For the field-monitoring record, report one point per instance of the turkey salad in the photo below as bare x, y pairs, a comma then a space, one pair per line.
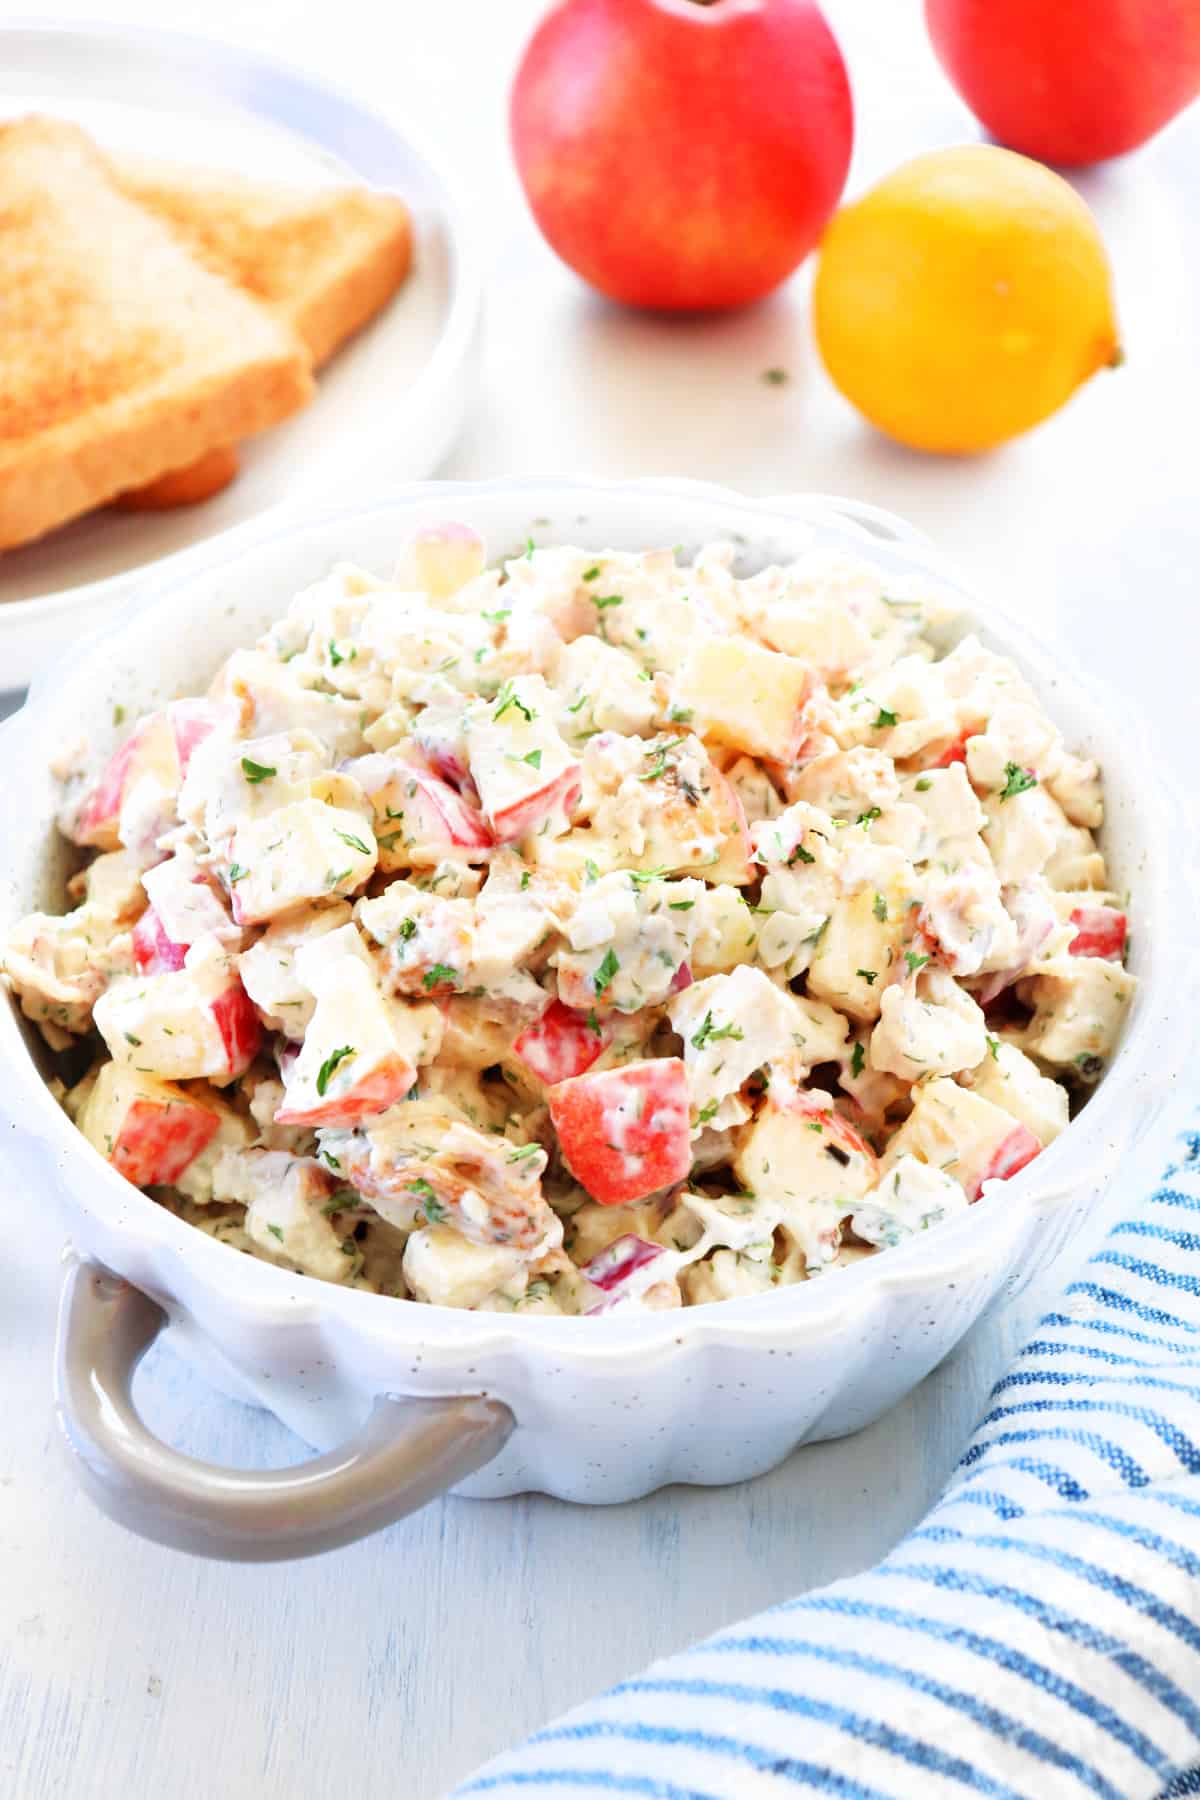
595, 931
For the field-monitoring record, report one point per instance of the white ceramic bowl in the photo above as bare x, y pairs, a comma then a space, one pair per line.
605, 1409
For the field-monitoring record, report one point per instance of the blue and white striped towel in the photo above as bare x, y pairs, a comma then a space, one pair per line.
1037, 1636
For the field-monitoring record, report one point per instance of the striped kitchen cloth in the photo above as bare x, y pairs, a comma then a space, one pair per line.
1037, 1636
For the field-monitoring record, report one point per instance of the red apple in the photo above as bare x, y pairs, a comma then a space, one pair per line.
682, 154
153, 951
624, 1133
1070, 81
1099, 931
562, 1043
1009, 1157
148, 1129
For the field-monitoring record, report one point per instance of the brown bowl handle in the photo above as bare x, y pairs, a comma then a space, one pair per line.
406, 1454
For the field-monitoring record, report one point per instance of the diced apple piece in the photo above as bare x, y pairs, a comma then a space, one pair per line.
528, 780
153, 950
562, 1043
954, 1129
440, 559
746, 696
191, 721
305, 851
234, 1132
625, 1132
632, 1272
419, 818
1099, 931
802, 1143
186, 902
148, 754
183, 1023
147, 1129
361, 1050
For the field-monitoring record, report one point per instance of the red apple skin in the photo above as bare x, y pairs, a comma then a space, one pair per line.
682, 156
1070, 81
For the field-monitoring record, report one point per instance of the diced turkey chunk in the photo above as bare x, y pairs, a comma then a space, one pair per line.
422, 1165
929, 1026
361, 1049
627, 943
910, 1198
964, 1135
1075, 861
304, 852
267, 697
598, 688
1008, 1078
1079, 1006
808, 1168
731, 1026
59, 964
232, 779
1023, 831
268, 968
662, 803
285, 1199
149, 1130
445, 1268
728, 1275
185, 1023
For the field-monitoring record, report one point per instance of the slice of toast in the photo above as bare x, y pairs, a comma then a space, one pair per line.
120, 357
324, 260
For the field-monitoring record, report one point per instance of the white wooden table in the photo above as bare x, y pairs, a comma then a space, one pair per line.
392, 1668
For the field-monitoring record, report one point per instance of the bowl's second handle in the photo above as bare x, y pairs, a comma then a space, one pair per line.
407, 1453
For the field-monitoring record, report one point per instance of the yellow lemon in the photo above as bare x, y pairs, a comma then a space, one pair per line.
964, 299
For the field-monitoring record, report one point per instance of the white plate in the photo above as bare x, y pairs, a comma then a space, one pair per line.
389, 405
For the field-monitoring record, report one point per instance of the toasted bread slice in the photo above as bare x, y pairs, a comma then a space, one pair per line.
210, 474
323, 259
120, 357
